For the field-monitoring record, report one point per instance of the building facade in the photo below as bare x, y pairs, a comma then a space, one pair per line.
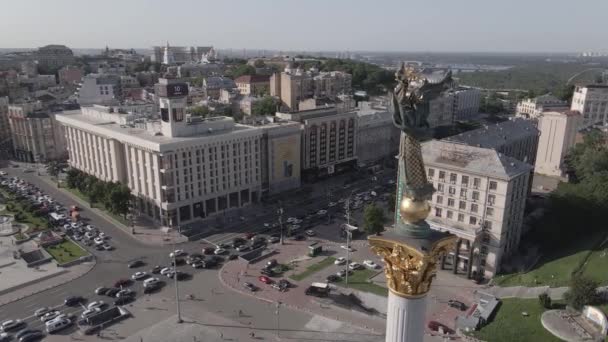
480, 197
6, 140
532, 108
181, 168
99, 89
253, 85
592, 102
557, 135
466, 103
328, 140
69, 75
213, 84
36, 135
182, 54
54, 56
377, 136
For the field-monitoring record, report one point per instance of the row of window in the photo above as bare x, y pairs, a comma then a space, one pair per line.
460, 217
464, 180
462, 205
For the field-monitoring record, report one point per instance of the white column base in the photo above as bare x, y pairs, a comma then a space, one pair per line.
405, 319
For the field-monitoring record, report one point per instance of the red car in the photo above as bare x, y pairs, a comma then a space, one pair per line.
248, 236
122, 282
265, 279
436, 326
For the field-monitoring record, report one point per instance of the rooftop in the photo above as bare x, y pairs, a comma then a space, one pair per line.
471, 159
495, 136
252, 79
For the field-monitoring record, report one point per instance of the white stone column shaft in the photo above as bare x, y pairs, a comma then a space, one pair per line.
405, 319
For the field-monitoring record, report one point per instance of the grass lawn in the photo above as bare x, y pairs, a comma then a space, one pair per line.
555, 269
35, 223
509, 325
597, 264
66, 251
313, 268
78, 194
359, 281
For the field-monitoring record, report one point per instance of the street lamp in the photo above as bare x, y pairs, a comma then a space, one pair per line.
179, 312
280, 212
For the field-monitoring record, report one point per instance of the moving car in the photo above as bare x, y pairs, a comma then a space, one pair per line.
176, 253
89, 312
56, 325
250, 287
24, 332
112, 292
12, 324
73, 300
370, 264
49, 316
151, 282
34, 336
340, 261
166, 270
354, 266
135, 264
318, 290
139, 275
125, 293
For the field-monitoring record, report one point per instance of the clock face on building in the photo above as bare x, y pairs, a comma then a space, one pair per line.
180, 89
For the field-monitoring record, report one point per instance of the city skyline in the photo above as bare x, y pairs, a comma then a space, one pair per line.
334, 26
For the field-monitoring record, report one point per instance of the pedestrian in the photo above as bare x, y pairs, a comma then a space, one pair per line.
252, 334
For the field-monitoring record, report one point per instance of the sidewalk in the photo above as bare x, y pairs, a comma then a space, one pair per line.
526, 292
148, 234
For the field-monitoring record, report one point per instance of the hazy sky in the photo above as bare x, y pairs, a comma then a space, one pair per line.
400, 25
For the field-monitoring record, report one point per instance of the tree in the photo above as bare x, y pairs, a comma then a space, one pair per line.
199, 111
544, 300
373, 219
259, 63
240, 70
266, 106
582, 291
120, 197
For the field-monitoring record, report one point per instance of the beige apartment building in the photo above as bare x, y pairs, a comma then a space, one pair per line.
533, 107
5, 130
592, 102
253, 85
182, 169
294, 86
36, 135
480, 197
557, 135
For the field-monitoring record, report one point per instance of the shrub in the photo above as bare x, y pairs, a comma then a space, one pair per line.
545, 300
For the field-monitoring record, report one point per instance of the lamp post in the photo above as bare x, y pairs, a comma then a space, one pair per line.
280, 212
278, 317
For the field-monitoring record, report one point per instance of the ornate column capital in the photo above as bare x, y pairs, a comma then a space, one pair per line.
409, 265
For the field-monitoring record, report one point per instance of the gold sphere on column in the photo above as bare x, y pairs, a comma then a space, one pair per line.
413, 211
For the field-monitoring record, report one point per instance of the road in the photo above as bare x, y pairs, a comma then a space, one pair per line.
112, 266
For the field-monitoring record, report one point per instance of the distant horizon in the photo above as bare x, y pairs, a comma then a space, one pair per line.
519, 26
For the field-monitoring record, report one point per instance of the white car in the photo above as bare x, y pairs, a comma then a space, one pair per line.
322, 212
151, 282
176, 253
50, 315
107, 247
370, 264
332, 204
354, 266
219, 251
166, 270
139, 275
96, 304
98, 241
348, 248
266, 225
102, 235
340, 261
90, 312
3, 173
11, 324
42, 311
310, 233
124, 293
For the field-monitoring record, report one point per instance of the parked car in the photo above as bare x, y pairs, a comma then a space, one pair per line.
348, 248
271, 263
274, 239
178, 262
242, 248
265, 279
48, 316
123, 282
42, 311
332, 278
439, 327
197, 264
298, 237
249, 235
457, 304
33, 336
342, 273
112, 292
250, 287
219, 251
267, 272
96, 304
310, 233
89, 312
24, 332
73, 300
56, 325
136, 263
176, 253
156, 269
284, 283
208, 250
166, 270
107, 247
125, 293
124, 300
151, 282
237, 242
233, 256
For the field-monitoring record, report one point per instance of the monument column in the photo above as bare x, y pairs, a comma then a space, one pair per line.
412, 250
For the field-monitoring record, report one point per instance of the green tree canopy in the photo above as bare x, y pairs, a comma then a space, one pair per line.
199, 111
259, 63
582, 291
373, 219
240, 70
266, 106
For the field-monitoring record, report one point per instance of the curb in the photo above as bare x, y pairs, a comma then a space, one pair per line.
52, 286
124, 229
294, 307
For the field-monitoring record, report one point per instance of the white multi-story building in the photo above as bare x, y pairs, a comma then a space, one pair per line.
377, 136
98, 89
480, 197
182, 54
557, 135
182, 168
592, 102
517, 138
532, 108
466, 103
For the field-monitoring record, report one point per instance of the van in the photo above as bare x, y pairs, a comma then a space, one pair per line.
56, 325
318, 290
